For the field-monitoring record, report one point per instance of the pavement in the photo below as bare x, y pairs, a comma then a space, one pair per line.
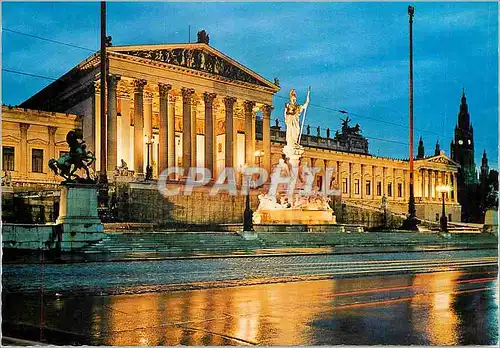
445, 299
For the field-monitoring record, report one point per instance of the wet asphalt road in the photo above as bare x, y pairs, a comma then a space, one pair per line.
437, 298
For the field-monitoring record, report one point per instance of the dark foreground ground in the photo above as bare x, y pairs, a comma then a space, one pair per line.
438, 298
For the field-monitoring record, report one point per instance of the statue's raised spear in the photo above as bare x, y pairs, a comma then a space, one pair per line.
305, 110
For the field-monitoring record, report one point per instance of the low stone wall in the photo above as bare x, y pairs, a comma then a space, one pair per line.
143, 203
368, 218
28, 236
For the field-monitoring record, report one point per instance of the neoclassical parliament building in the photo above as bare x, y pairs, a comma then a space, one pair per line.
191, 105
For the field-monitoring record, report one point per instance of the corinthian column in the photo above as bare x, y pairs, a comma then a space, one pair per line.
350, 180
209, 131
52, 141
249, 144
186, 127
362, 188
266, 136
23, 127
172, 161
164, 150
52, 144
111, 132
229, 161
139, 126
455, 185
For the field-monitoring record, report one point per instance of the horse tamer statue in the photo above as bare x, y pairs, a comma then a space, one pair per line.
77, 158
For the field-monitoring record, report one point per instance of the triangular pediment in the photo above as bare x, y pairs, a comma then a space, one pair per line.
443, 159
10, 139
38, 141
199, 57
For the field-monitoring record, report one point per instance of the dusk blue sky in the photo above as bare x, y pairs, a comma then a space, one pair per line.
354, 55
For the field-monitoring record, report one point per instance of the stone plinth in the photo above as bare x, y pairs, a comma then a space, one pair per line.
294, 216
78, 216
491, 221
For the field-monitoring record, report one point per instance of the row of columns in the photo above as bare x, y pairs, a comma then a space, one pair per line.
143, 126
431, 178
373, 182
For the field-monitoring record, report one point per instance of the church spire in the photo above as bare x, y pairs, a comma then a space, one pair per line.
437, 150
420, 153
485, 169
463, 115
484, 160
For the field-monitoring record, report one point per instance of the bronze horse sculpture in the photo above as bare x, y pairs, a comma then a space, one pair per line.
77, 158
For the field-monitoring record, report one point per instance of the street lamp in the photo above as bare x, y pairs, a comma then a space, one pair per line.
149, 169
259, 154
443, 222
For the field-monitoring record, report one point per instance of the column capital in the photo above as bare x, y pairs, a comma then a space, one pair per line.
123, 93
24, 127
90, 88
171, 98
148, 96
209, 97
229, 101
266, 110
139, 85
187, 92
248, 105
163, 89
112, 81
52, 130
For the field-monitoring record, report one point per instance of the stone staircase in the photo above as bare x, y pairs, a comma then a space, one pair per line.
165, 242
226, 243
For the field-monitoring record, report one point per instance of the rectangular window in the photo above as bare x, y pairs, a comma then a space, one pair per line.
8, 158
389, 189
356, 186
449, 217
344, 185
400, 190
379, 188
368, 187
37, 161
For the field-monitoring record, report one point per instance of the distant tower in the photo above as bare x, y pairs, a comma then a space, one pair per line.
462, 152
437, 150
462, 147
421, 152
485, 169
483, 183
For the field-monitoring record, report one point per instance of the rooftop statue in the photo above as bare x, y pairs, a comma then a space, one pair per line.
349, 130
77, 158
203, 37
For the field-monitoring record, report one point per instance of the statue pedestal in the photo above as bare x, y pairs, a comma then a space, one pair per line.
293, 154
80, 224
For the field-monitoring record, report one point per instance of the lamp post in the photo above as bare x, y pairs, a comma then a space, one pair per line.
443, 221
248, 213
149, 169
259, 154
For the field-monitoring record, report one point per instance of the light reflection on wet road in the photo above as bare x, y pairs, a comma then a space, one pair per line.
456, 306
